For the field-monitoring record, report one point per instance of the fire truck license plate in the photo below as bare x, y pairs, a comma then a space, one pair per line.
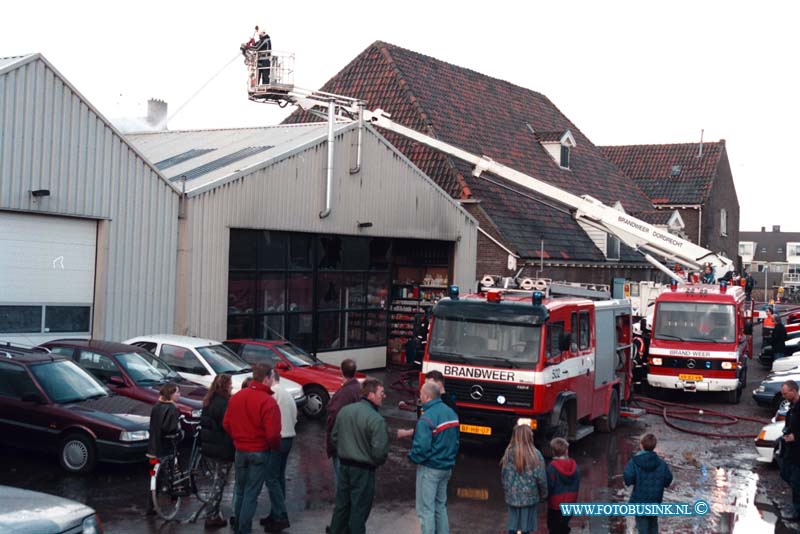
473, 429
691, 378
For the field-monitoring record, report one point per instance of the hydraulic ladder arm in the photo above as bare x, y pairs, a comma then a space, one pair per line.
637, 234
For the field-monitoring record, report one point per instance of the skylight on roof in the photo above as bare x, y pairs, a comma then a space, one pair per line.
221, 162
180, 158
676, 170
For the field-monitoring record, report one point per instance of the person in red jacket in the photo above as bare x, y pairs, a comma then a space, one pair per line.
253, 421
562, 485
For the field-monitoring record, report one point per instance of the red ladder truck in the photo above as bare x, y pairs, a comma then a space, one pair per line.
563, 364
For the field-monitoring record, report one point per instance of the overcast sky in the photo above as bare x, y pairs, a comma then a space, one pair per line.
624, 72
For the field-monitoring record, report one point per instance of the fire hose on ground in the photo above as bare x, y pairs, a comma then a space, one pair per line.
672, 411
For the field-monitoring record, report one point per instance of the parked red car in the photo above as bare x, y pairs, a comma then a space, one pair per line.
132, 372
319, 380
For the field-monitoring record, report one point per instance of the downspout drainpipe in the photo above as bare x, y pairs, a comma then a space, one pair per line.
357, 168
329, 180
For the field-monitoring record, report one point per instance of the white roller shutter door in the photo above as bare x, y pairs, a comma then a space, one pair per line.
49, 262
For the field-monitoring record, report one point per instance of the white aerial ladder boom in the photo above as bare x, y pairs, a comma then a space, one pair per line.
637, 234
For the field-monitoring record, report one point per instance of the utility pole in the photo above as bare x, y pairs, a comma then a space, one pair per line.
766, 272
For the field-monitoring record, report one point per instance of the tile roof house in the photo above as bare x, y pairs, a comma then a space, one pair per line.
517, 127
693, 178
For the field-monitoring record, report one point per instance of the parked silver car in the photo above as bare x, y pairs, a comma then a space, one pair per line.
25, 512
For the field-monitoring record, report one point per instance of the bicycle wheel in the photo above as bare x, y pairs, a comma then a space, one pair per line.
165, 502
203, 476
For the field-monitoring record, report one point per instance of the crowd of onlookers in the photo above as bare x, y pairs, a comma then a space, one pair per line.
251, 431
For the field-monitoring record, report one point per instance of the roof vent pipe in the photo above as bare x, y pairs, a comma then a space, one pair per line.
700, 152
357, 168
329, 179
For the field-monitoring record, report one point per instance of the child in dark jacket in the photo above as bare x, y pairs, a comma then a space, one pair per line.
563, 481
649, 475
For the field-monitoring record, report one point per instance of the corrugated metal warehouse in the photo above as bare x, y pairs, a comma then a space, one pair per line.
214, 233
88, 228
259, 258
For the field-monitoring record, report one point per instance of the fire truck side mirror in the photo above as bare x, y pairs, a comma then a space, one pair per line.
748, 328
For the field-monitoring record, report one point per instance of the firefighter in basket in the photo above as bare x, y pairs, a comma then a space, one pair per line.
257, 52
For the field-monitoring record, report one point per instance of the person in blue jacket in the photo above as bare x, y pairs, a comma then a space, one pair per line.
649, 475
434, 450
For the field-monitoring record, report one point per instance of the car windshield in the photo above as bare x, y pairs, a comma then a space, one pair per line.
498, 344
223, 360
693, 321
142, 371
63, 382
296, 355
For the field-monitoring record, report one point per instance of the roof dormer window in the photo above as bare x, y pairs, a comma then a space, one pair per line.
564, 157
559, 145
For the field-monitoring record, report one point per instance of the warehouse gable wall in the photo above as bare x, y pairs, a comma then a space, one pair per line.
52, 138
288, 195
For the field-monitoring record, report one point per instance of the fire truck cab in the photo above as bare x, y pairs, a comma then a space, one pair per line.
701, 340
563, 364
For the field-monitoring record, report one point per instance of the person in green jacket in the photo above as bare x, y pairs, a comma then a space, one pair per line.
361, 439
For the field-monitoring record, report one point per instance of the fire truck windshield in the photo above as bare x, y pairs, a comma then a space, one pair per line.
692, 321
482, 343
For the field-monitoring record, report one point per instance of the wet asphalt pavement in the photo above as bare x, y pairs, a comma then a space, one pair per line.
745, 496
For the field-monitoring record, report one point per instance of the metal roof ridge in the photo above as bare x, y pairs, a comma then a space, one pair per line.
93, 109
275, 157
232, 129
18, 61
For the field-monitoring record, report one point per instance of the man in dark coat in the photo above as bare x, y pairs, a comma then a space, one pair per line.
790, 469
778, 338
649, 475
349, 393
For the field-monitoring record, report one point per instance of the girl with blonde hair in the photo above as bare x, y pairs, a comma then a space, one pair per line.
524, 481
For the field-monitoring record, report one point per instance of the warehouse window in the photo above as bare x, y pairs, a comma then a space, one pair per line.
44, 318
20, 319
323, 292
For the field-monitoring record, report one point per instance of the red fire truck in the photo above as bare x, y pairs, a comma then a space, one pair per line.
562, 363
701, 340
543, 387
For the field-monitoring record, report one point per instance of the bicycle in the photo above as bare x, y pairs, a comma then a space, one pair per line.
169, 482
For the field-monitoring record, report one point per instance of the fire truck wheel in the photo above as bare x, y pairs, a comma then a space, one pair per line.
560, 431
733, 397
609, 422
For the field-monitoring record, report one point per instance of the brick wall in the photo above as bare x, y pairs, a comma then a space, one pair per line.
723, 195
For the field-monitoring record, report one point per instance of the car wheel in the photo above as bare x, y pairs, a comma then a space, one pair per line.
78, 453
317, 402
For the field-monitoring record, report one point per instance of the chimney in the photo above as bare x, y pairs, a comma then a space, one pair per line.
763, 228
700, 152
776, 228
157, 113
